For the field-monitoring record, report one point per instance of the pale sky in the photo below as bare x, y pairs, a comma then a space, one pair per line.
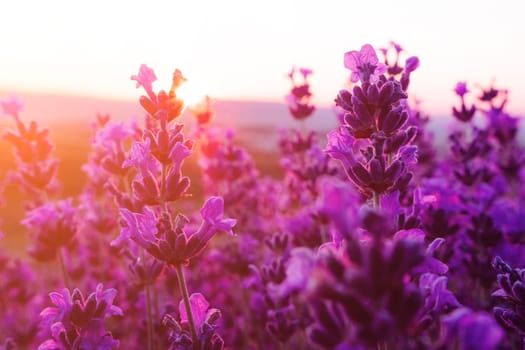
242, 49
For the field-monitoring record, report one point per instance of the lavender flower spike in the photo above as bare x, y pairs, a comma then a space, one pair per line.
364, 64
145, 78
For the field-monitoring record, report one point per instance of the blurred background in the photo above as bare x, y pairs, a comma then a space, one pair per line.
69, 60
242, 50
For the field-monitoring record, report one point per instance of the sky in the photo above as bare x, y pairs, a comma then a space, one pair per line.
243, 49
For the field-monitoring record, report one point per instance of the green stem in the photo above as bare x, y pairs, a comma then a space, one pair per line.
302, 127
382, 346
163, 181
155, 303
376, 198
324, 234
65, 275
187, 305
149, 318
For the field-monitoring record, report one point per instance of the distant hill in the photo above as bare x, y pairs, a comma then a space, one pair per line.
257, 120
256, 123
64, 108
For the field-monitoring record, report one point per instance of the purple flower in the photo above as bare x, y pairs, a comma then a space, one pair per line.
337, 201
212, 213
408, 154
140, 157
364, 65
94, 337
61, 310
438, 298
58, 331
429, 264
177, 79
145, 78
204, 319
298, 100
112, 134
396, 46
411, 64
178, 153
299, 270
142, 228
471, 330
78, 323
168, 241
200, 309
461, 89
73, 307
305, 72
12, 107
340, 146
53, 225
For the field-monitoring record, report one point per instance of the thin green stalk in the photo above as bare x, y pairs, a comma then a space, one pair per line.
149, 318
376, 199
164, 204
302, 126
65, 275
155, 303
187, 305
382, 346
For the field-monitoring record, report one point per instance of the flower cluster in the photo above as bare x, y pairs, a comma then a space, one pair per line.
76, 322
298, 100
375, 113
32, 146
378, 238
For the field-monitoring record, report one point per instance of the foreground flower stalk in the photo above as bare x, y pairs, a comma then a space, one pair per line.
157, 158
186, 297
65, 274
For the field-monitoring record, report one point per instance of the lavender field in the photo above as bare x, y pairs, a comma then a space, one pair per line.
367, 226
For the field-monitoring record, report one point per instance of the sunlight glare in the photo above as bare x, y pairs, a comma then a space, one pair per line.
191, 93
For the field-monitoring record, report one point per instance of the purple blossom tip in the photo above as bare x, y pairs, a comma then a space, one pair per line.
139, 155
305, 72
212, 213
199, 308
13, 106
145, 78
364, 64
461, 89
178, 153
142, 228
411, 64
178, 79
408, 154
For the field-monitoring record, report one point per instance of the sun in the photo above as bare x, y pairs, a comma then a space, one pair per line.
190, 93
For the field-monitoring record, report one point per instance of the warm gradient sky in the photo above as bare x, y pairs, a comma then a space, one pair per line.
242, 49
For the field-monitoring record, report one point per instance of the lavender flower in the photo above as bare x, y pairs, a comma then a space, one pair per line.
53, 226
510, 297
298, 100
77, 323
145, 78
12, 107
364, 65
205, 320
471, 330
169, 242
